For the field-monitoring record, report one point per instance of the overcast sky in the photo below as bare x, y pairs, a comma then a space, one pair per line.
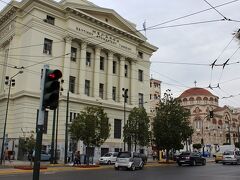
196, 46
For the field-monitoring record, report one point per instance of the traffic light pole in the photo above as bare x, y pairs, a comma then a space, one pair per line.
53, 133
40, 123
66, 130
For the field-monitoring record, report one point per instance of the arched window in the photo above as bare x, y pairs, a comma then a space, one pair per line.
214, 121
199, 99
191, 99
205, 99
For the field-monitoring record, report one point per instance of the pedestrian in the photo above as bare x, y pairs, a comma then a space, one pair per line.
77, 160
6, 155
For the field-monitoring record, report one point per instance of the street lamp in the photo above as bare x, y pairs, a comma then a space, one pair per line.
11, 83
125, 96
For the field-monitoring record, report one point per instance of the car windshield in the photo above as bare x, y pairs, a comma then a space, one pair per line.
107, 155
228, 153
124, 155
185, 153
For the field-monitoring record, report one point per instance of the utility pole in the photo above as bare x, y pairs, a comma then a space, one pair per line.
66, 130
49, 98
56, 156
125, 96
40, 123
53, 134
9, 83
229, 131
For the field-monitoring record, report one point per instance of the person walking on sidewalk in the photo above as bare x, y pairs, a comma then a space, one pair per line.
77, 159
6, 156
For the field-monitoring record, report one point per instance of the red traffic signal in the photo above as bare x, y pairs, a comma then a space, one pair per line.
54, 74
51, 88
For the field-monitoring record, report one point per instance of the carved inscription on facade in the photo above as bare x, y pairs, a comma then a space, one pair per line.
106, 38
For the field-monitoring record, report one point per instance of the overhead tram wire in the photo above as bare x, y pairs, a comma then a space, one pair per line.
141, 29
105, 42
216, 10
182, 17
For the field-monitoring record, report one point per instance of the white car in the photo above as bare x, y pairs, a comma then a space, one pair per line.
109, 158
231, 157
129, 160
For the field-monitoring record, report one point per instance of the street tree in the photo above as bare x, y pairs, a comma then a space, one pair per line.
171, 125
136, 131
90, 126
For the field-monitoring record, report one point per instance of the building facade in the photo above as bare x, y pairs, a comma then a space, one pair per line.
222, 128
155, 94
98, 51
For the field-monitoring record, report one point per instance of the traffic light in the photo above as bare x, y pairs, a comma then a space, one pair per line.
211, 114
51, 88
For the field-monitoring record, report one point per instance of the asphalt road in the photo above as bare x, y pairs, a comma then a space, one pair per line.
211, 171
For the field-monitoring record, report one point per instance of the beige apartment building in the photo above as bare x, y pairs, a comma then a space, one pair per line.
214, 131
98, 51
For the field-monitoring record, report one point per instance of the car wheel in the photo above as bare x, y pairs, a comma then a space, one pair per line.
204, 162
223, 163
179, 164
133, 168
141, 166
116, 168
193, 163
216, 161
109, 162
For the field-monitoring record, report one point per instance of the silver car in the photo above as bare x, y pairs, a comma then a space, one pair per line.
231, 157
129, 160
108, 158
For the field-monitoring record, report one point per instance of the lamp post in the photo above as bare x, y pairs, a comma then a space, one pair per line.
125, 96
11, 83
229, 131
66, 130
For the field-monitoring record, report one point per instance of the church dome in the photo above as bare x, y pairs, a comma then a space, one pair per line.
196, 91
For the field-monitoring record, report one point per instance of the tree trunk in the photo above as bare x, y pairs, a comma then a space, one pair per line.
167, 155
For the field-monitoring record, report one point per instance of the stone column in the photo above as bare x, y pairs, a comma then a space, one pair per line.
121, 78
96, 72
109, 75
133, 94
66, 63
82, 72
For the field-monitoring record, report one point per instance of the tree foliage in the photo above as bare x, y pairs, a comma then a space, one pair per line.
136, 131
171, 125
91, 126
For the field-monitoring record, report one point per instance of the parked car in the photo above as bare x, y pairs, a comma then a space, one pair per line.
129, 160
218, 157
231, 157
108, 158
44, 156
191, 158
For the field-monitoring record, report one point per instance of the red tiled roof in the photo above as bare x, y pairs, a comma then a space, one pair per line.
195, 91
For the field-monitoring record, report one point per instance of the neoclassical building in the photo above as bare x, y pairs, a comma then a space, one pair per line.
98, 51
214, 131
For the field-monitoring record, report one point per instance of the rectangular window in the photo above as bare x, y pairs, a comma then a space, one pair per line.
117, 128
101, 63
101, 90
126, 70
88, 59
47, 47
140, 54
72, 116
114, 67
114, 89
72, 84
50, 20
87, 87
140, 97
140, 75
73, 54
